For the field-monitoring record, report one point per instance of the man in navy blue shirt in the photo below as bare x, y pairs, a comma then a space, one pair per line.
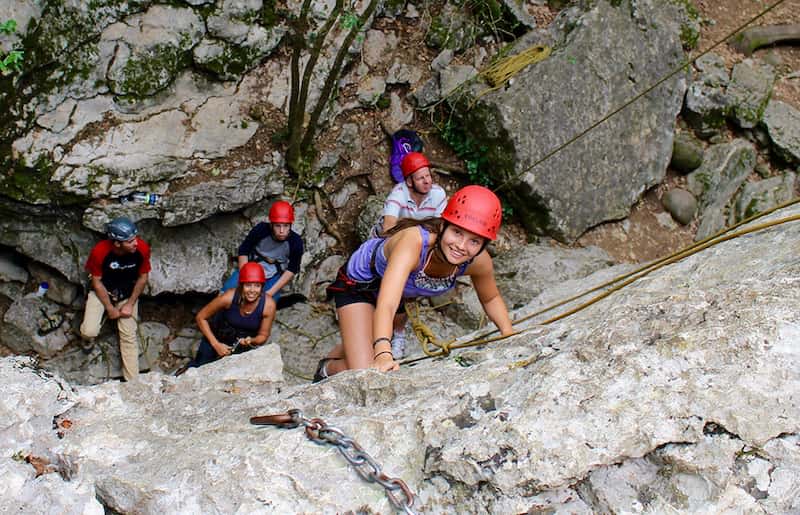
275, 246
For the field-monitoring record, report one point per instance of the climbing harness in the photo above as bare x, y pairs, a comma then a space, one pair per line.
318, 431
433, 348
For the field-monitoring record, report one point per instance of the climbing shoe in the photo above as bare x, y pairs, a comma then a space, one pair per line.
321, 372
87, 346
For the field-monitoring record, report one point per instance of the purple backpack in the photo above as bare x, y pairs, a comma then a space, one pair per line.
403, 142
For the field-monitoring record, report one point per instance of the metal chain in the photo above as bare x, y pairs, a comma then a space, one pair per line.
318, 431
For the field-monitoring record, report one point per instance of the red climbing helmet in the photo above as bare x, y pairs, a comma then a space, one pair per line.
412, 162
281, 212
475, 209
252, 272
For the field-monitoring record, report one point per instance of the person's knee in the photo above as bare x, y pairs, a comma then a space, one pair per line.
89, 332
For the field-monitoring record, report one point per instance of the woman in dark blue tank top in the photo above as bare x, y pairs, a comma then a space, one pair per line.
237, 321
417, 258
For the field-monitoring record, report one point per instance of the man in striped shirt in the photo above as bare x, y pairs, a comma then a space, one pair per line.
416, 197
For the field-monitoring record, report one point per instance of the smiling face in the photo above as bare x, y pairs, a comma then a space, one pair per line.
420, 181
460, 245
251, 291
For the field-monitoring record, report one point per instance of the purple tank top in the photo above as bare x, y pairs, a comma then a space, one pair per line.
418, 284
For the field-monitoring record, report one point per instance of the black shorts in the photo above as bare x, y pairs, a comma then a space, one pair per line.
346, 291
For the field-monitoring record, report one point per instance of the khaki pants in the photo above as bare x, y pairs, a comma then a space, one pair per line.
127, 327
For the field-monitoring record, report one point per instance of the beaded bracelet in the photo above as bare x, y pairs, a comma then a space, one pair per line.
381, 339
383, 352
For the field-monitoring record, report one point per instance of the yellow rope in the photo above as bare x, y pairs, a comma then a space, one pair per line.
444, 348
500, 72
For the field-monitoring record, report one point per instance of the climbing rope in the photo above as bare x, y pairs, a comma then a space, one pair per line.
647, 90
498, 74
501, 71
432, 347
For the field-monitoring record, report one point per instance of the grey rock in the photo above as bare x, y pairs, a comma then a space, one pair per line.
626, 401
370, 215
442, 60
603, 173
370, 90
145, 51
152, 336
707, 103
317, 278
402, 73
59, 289
428, 93
378, 45
723, 171
681, 205
304, 336
526, 272
100, 212
453, 28
712, 70
230, 59
762, 169
782, 122
750, 89
454, 76
230, 192
687, 153
520, 13
185, 342
103, 362
53, 237
195, 257
344, 195
400, 114
35, 324
757, 197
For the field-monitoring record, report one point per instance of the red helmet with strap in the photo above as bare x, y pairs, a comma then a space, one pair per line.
281, 212
475, 209
412, 162
252, 272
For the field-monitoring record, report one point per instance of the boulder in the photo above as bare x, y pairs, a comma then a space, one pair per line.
750, 89
724, 169
681, 205
603, 173
757, 197
782, 122
653, 398
707, 103
687, 153
36, 324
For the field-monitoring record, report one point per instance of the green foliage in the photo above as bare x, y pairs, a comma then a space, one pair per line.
12, 61
494, 16
474, 154
8, 27
350, 21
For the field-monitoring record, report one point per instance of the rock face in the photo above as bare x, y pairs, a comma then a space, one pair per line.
722, 173
587, 76
677, 394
